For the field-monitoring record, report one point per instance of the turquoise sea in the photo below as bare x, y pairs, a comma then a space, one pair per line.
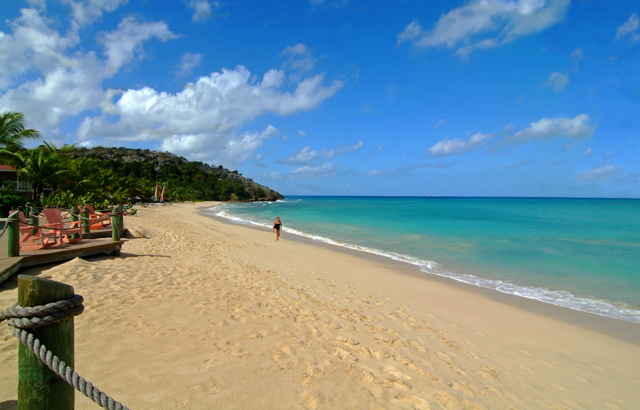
583, 254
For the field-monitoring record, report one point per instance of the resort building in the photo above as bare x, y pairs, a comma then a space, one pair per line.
9, 175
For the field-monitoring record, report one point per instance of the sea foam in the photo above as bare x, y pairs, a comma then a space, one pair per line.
554, 297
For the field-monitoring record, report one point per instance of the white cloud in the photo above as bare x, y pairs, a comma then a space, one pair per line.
121, 44
66, 91
341, 150
208, 109
33, 45
483, 24
588, 151
40, 4
603, 173
557, 80
298, 58
302, 134
457, 145
302, 156
439, 123
188, 63
577, 55
88, 11
548, 128
373, 173
218, 148
327, 170
306, 154
202, 121
201, 8
508, 128
629, 28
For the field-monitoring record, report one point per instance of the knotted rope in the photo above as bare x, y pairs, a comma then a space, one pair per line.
21, 318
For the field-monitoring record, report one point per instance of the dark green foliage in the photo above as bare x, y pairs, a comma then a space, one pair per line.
9, 200
184, 180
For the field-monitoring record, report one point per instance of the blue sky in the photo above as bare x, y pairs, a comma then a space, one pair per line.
460, 98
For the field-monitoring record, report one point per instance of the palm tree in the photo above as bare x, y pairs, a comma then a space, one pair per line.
41, 167
12, 131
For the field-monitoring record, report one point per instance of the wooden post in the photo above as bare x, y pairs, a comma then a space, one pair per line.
115, 227
33, 219
121, 217
13, 235
86, 228
38, 387
75, 218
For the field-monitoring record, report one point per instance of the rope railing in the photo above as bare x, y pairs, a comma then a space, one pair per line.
21, 319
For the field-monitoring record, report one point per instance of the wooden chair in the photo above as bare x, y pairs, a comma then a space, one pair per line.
29, 239
54, 220
104, 223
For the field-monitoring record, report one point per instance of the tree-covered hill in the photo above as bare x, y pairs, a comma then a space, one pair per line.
184, 180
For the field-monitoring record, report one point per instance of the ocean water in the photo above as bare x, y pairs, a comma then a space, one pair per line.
582, 254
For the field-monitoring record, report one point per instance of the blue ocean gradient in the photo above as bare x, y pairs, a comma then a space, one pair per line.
579, 253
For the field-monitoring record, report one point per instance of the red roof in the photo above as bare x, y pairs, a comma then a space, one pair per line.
7, 168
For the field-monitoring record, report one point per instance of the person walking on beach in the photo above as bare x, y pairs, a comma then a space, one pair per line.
277, 225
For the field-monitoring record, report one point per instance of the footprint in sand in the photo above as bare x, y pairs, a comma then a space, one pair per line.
395, 372
461, 389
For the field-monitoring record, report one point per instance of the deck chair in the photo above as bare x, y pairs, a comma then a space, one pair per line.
104, 223
29, 239
54, 221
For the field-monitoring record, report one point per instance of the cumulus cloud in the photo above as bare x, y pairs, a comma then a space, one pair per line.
201, 8
302, 156
549, 128
601, 174
188, 63
219, 148
212, 106
298, 58
87, 11
629, 28
557, 80
458, 146
202, 121
121, 44
32, 46
483, 24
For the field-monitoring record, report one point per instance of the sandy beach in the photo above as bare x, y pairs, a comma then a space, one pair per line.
202, 313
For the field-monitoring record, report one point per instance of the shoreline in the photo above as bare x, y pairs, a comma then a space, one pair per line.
624, 330
202, 313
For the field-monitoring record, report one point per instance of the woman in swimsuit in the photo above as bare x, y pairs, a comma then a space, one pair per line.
277, 225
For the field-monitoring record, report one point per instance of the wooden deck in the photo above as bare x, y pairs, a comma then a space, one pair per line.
59, 253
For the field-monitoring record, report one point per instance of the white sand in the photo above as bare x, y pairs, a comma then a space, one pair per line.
205, 314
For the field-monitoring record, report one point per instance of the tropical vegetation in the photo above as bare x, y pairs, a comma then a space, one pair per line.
69, 175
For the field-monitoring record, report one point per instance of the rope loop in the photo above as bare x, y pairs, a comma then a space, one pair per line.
21, 318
